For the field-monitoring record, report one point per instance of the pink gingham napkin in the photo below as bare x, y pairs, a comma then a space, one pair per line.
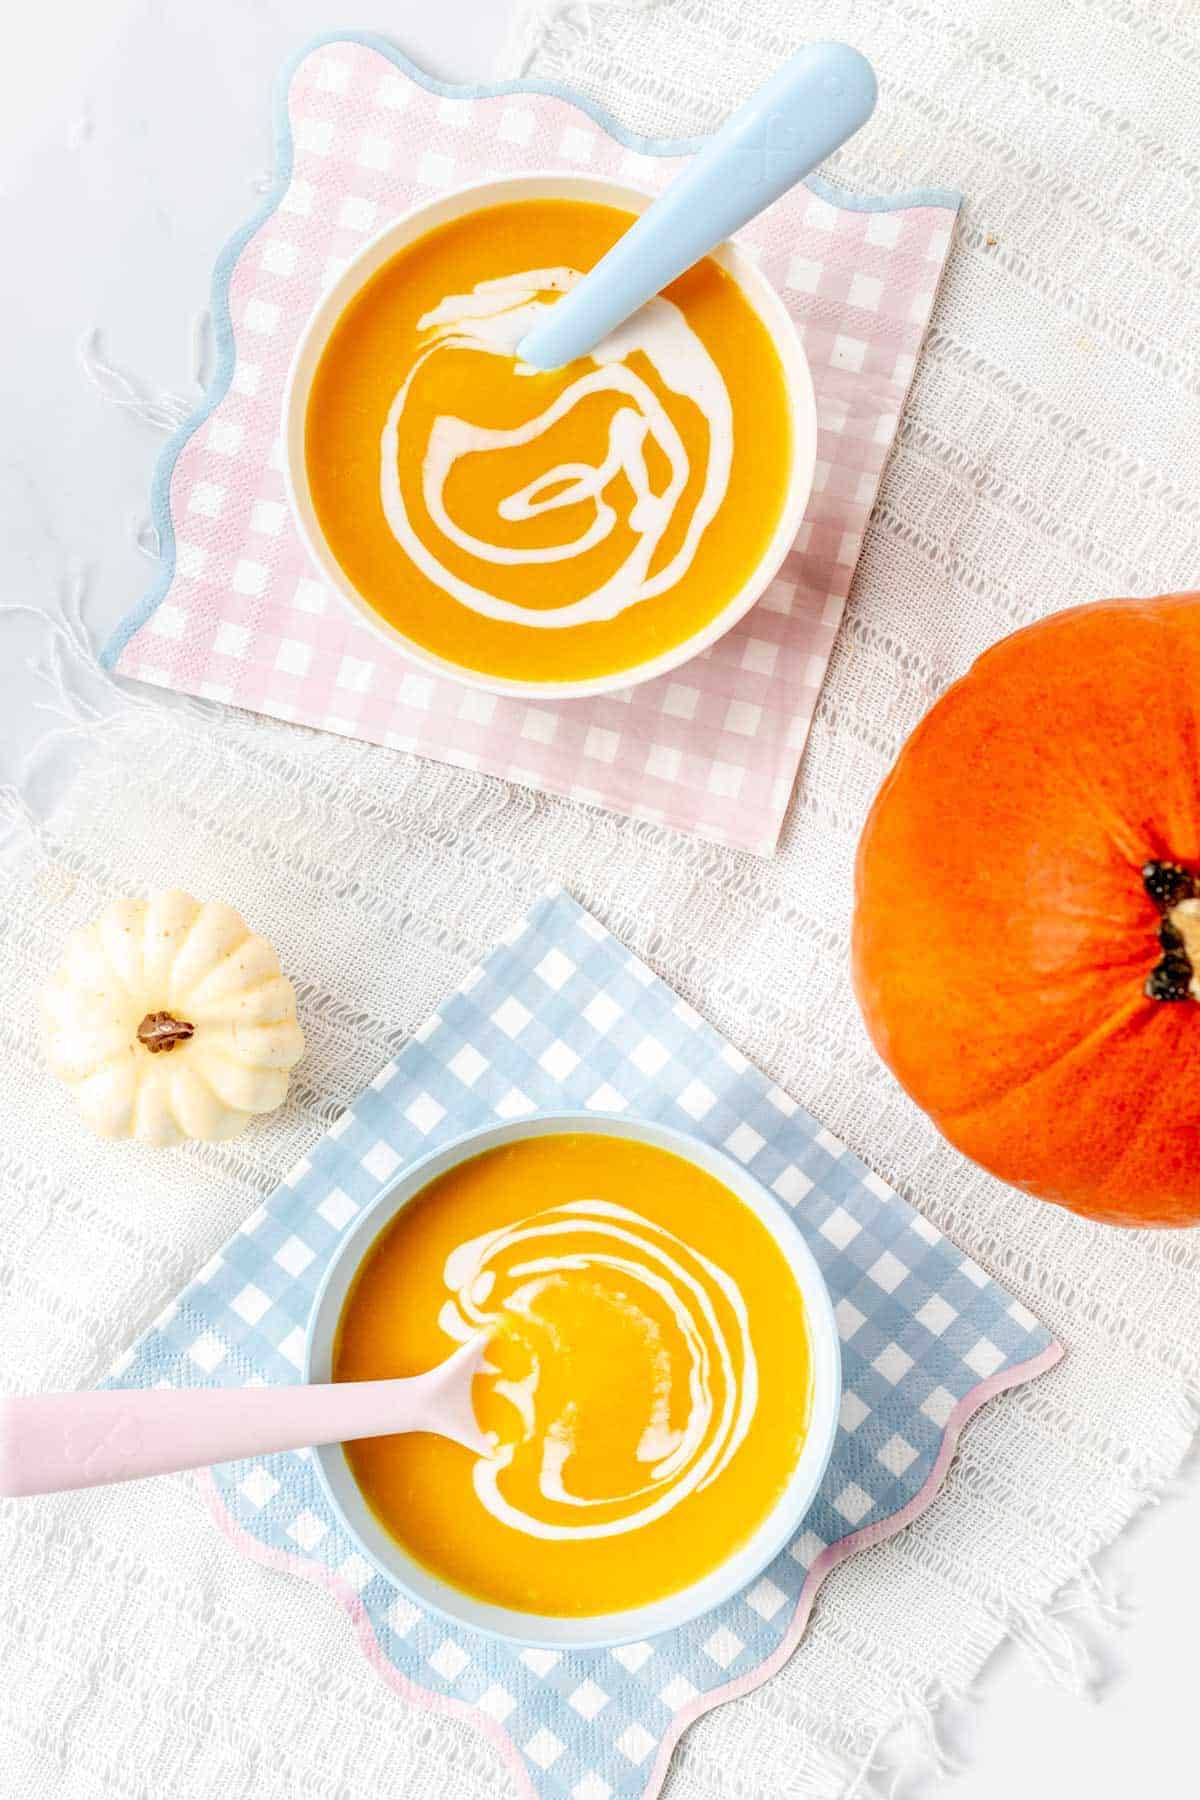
238, 614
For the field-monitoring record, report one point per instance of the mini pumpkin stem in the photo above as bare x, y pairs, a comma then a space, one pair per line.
1173, 890
162, 1031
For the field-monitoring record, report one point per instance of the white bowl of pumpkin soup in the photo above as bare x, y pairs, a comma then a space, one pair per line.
554, 533
660, 1394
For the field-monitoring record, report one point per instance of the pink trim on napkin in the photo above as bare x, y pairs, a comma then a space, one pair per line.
310, 1569
712, 748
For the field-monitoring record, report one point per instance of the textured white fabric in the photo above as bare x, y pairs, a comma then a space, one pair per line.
1049, 454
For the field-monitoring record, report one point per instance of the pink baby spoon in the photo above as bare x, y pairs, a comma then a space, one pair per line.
53, 1441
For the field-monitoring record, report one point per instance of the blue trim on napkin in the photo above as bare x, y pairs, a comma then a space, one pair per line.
222, 322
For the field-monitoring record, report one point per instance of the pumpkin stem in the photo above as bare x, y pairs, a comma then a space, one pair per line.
1173, 890
162, 1031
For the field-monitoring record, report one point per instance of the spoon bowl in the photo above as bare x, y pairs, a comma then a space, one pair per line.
810, 106
746, 1560
475, 199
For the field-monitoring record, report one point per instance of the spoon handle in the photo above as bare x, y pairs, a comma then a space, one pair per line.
49, 1442
818, 99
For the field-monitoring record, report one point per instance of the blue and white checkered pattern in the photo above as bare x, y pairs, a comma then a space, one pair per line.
562, 1016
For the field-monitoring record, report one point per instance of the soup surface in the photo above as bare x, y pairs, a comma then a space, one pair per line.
544, 526
648, 1383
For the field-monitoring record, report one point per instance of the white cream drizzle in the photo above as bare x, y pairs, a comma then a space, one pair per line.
493, 318
508, 1271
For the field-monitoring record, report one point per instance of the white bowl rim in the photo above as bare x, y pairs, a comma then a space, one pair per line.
477, 196
597, 1630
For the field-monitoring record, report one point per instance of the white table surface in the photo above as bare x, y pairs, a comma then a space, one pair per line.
130, 137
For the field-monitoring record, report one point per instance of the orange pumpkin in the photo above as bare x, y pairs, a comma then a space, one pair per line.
1027, 932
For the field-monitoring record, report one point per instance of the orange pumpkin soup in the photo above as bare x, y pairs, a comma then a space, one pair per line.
648, 1383
544, 526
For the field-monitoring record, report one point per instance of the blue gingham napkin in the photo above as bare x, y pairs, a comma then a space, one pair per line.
562, 1016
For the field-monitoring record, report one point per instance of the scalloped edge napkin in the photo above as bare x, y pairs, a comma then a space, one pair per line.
561, 1016
237, 614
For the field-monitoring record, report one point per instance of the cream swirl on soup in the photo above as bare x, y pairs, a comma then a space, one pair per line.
492, 318
601, 1459
545, 527
650, 1371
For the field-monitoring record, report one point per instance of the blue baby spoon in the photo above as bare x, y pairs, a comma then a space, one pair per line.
819, 98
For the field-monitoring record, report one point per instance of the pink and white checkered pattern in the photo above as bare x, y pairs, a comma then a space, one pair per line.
712, 748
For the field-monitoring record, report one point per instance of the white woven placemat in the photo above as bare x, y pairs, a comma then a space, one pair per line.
1049, 454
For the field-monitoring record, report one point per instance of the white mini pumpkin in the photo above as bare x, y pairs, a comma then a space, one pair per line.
169, 1019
